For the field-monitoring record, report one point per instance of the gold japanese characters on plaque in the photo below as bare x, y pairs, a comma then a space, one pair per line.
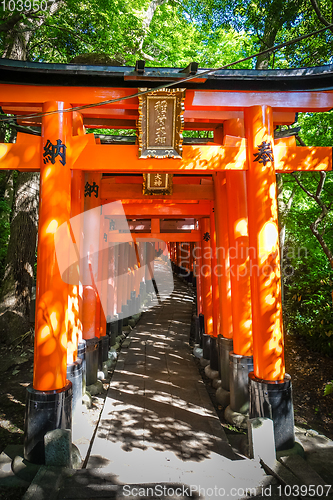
157, 183
161, 123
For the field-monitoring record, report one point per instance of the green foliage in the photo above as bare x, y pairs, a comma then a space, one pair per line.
328, 388
317, 128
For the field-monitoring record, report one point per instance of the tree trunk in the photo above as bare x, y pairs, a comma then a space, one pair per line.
16, 286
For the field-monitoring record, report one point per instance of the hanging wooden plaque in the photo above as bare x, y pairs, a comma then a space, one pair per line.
161, 123
157, 183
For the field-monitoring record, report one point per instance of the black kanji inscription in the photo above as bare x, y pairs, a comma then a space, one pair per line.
51, 152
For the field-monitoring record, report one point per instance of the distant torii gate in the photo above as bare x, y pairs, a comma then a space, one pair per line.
243, 162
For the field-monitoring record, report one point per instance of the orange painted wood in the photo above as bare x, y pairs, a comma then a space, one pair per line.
114, 191
135, 210
239, 263
268, 344
91, 231
215, 279
89, 156
198, 261
291, 101
75, 299
24, 154
50, 353
222, 244
120, 158
301, 158
206, 276
208, 100
108, 158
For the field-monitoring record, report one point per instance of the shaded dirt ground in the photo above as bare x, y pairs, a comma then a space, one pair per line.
310, 372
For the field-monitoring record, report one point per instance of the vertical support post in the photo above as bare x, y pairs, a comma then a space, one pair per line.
214, 364
223, 269
76, 349
91, 301
268, 379
206, 277
50, 355
241, 360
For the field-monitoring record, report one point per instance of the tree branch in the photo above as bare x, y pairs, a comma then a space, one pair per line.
321, 183
294, 174
319, 14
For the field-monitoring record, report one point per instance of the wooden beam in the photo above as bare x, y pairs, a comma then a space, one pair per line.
126, 118
112, 191
25, 153
205, 100
137, 210
118, 158
113, 236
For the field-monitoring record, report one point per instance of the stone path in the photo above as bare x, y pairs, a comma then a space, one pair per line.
158, 424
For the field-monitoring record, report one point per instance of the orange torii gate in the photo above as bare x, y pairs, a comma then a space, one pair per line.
242, 162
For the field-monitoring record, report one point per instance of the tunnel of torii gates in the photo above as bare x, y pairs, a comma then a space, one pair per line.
225, 188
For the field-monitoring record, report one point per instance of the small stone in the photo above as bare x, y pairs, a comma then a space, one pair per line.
76, 457
58, 446
96, 388
87, 400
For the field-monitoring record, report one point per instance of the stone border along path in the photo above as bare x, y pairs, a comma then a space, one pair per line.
158, 430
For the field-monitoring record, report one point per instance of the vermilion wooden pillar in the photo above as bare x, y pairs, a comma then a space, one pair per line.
49, 401
92, 221
50, 362
269, 386
206, 275
223, 269
222, 253
215, 280
268, 349
197, 274
75, 291
214, 363
77, 207
239, 263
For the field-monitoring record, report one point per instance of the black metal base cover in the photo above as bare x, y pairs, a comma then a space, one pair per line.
92, 348
45, 411
214, 356
74, 375
274, 400
206, 339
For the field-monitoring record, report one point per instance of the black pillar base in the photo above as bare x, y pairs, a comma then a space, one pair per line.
206, 341
74, 375
120, 326
240, 367
274, 400
45, 411
92, 346
125, 314
225, 347
81, 354
197, 338
113, 332
214, 357
201, 327
103, 350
